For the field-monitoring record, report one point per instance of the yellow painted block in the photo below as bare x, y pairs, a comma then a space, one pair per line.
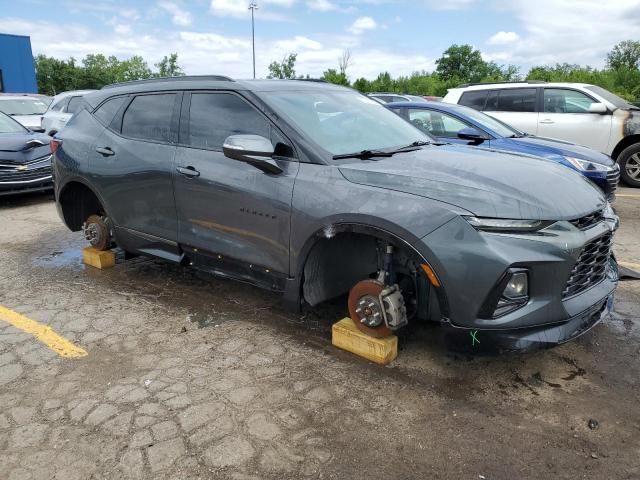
345, 335
98, 258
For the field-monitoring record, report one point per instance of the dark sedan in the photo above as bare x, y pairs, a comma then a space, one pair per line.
25, 159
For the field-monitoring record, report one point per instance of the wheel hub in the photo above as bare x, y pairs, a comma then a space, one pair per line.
369, 311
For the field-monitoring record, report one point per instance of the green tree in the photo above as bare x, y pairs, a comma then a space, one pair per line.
333, 76
461, 62
168, 66
55, 76
625, 55
284, 69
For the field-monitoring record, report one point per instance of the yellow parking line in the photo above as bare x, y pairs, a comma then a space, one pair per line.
44, 333
630, 265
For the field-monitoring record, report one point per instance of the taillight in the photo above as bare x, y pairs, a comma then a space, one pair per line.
54, 144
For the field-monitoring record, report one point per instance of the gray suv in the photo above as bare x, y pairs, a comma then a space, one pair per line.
316, 191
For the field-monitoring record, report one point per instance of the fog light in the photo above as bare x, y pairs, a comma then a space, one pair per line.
517, 286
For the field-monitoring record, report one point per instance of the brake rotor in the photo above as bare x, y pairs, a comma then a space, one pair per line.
365, 308
96, 231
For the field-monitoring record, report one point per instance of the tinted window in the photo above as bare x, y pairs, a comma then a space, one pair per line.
516, 100
215, 116
56, 107
74, 104
437, 124
474, 99
565, 101
108, 109
149, 117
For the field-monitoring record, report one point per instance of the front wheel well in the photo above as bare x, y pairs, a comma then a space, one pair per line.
336, 262
78, 202
623, 144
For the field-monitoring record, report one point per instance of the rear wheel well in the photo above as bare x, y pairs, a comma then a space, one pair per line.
336, 262
78, 202
624, 143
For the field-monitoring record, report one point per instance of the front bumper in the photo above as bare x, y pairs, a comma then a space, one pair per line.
525, 339
469, 264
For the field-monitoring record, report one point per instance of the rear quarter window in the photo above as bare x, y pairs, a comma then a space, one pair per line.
108, 110
150, 117
474, 99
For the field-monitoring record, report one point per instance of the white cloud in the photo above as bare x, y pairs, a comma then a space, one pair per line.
212, 53
503, 38
179, 16
362, 24
547, 37
321, 5
449, 4
229, 8
122, 29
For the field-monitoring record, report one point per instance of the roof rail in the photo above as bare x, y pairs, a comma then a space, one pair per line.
499, 83
217, 78
317, 80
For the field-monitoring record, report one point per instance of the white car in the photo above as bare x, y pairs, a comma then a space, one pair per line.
26, 109
61, 110
576, 112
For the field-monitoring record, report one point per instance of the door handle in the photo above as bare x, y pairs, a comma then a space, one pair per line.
547, 121
105, 151
188, 171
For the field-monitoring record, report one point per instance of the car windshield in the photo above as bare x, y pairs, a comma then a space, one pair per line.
489, 122
610, 97
9, 125
23, 106
343, 122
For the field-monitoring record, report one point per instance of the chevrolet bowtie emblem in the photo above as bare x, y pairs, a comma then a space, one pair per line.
21, 168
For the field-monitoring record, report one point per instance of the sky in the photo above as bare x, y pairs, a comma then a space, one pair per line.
214, 36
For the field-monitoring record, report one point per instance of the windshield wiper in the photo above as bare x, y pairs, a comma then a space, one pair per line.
364, 154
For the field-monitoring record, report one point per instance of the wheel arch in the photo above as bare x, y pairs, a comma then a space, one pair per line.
626, 142
77, 202
294, 295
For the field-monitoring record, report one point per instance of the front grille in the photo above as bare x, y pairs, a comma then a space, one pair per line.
591, 267
588, 221
24, 176
612, 179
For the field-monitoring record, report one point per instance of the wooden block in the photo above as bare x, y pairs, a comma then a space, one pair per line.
98, 258
345, 335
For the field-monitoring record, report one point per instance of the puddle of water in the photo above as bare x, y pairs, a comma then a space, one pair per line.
56, 259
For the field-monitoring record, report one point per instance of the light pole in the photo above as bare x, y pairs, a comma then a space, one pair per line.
253, 6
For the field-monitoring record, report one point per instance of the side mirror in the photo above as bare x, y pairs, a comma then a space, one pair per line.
252, 149
472, 134
597, 107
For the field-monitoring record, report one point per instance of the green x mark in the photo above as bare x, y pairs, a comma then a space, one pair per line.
474, 337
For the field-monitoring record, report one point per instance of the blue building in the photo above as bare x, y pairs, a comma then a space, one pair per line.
17, 72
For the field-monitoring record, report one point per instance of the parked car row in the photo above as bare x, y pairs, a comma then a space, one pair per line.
575, 112
316, 191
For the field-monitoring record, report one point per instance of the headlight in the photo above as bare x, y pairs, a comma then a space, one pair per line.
506, 225
586, 165
517, 286
509, 294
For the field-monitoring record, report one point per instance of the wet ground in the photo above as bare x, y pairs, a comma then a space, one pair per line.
193, 377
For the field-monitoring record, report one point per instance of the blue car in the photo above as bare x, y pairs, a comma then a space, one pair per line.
464, 125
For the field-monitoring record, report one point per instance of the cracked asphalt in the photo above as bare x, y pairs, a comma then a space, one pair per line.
192, 377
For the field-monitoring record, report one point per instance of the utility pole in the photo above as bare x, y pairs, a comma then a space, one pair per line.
253, 6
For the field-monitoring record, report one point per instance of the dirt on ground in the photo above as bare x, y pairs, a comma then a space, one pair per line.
193, 377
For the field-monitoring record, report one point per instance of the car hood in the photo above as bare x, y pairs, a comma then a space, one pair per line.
23, 147
551, 147
484, 182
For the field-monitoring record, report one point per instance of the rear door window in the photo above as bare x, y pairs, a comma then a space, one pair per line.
516, 100
474, 99
150, 117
